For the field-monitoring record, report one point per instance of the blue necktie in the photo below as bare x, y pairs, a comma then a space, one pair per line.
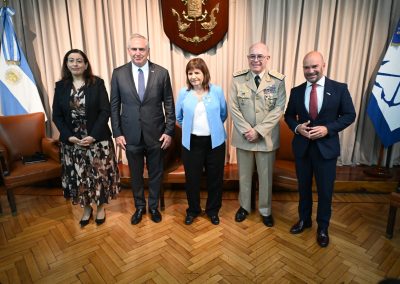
141, 84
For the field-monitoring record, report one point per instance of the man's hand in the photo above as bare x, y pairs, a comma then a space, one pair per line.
120, 141
303, 129
251, 135
317, 132
166, 141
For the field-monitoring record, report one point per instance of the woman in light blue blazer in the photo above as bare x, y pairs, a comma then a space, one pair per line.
201, 112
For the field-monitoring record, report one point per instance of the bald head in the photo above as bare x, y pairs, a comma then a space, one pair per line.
258, 57
313, 66
260, 46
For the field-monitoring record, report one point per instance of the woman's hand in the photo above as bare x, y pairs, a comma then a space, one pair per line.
74, 140
87, 141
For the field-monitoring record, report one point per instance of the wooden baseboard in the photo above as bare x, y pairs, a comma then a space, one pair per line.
348, 178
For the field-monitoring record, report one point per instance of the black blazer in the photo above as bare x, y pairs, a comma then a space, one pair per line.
337, 112
153, 116
97, 107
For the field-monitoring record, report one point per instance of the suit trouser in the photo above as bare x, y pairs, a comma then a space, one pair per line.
202, 156
325, 173
155, 165
264, 162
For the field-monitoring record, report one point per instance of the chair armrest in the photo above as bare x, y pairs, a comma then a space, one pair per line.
51, 147
172, 156
4, 168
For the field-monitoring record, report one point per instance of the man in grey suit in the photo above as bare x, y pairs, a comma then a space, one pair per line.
257, 100
143, 121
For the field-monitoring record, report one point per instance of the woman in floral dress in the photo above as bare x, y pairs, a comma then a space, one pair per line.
81, 111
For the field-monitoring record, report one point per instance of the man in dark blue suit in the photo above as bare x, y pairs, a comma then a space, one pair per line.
143, 121
317, 111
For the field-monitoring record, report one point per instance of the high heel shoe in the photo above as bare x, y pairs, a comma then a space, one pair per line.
85, 222
101, 221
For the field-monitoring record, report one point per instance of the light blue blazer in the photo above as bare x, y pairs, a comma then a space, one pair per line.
215, 105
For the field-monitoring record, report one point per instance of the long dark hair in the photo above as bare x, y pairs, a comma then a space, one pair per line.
87, 74
198, 63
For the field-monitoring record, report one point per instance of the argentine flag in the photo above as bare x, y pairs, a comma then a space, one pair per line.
384, 104
18, 91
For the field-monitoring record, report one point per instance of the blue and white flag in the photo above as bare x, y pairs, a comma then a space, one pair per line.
18, 91
384, 104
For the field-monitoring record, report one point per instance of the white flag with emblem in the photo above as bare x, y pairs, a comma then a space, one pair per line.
18, 91
384, 104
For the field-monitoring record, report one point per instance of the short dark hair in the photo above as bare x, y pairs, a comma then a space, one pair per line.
87, 74
198, 63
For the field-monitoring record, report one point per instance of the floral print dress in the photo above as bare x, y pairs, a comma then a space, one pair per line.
89, 174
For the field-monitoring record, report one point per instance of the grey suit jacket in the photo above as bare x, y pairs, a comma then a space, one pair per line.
151, 117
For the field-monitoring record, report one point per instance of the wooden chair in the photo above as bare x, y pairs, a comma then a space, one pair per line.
393, 205
21, 136
284, 168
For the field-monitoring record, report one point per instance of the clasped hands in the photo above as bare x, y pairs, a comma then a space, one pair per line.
165, 139
251, 135
85, 142
313, 132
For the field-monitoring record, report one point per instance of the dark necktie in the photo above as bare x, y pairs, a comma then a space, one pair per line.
313, 107
141, 84
257, 80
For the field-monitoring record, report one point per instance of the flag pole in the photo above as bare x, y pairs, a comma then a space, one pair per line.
378, 171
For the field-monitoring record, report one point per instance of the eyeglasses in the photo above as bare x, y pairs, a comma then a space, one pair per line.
255, 57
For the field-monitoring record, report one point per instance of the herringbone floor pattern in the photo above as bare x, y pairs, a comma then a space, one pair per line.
44, 244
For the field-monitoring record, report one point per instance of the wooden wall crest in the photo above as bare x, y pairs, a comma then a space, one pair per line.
195, 25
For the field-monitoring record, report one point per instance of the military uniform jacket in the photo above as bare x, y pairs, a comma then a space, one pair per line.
260, 109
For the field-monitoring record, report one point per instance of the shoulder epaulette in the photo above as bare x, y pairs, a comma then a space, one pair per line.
241, 72
276, 74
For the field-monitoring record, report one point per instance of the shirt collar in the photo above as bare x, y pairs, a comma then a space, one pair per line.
261, 74
320, 82
145, 67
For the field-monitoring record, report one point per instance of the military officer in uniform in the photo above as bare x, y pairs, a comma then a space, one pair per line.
256, 101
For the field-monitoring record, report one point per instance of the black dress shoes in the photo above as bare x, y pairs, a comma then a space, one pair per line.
268, 221
155, 215
322, 237
137, 217
214, 219
300, 226
189, 219
101, 221
241, 215
83, 223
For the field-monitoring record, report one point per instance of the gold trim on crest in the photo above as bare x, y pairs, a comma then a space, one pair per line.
195, 14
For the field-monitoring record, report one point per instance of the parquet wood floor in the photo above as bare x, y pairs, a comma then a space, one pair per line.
44, 243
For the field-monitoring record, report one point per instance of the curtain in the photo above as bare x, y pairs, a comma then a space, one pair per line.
352, 35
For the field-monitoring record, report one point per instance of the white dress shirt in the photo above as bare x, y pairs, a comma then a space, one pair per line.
135, 72
320, 93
